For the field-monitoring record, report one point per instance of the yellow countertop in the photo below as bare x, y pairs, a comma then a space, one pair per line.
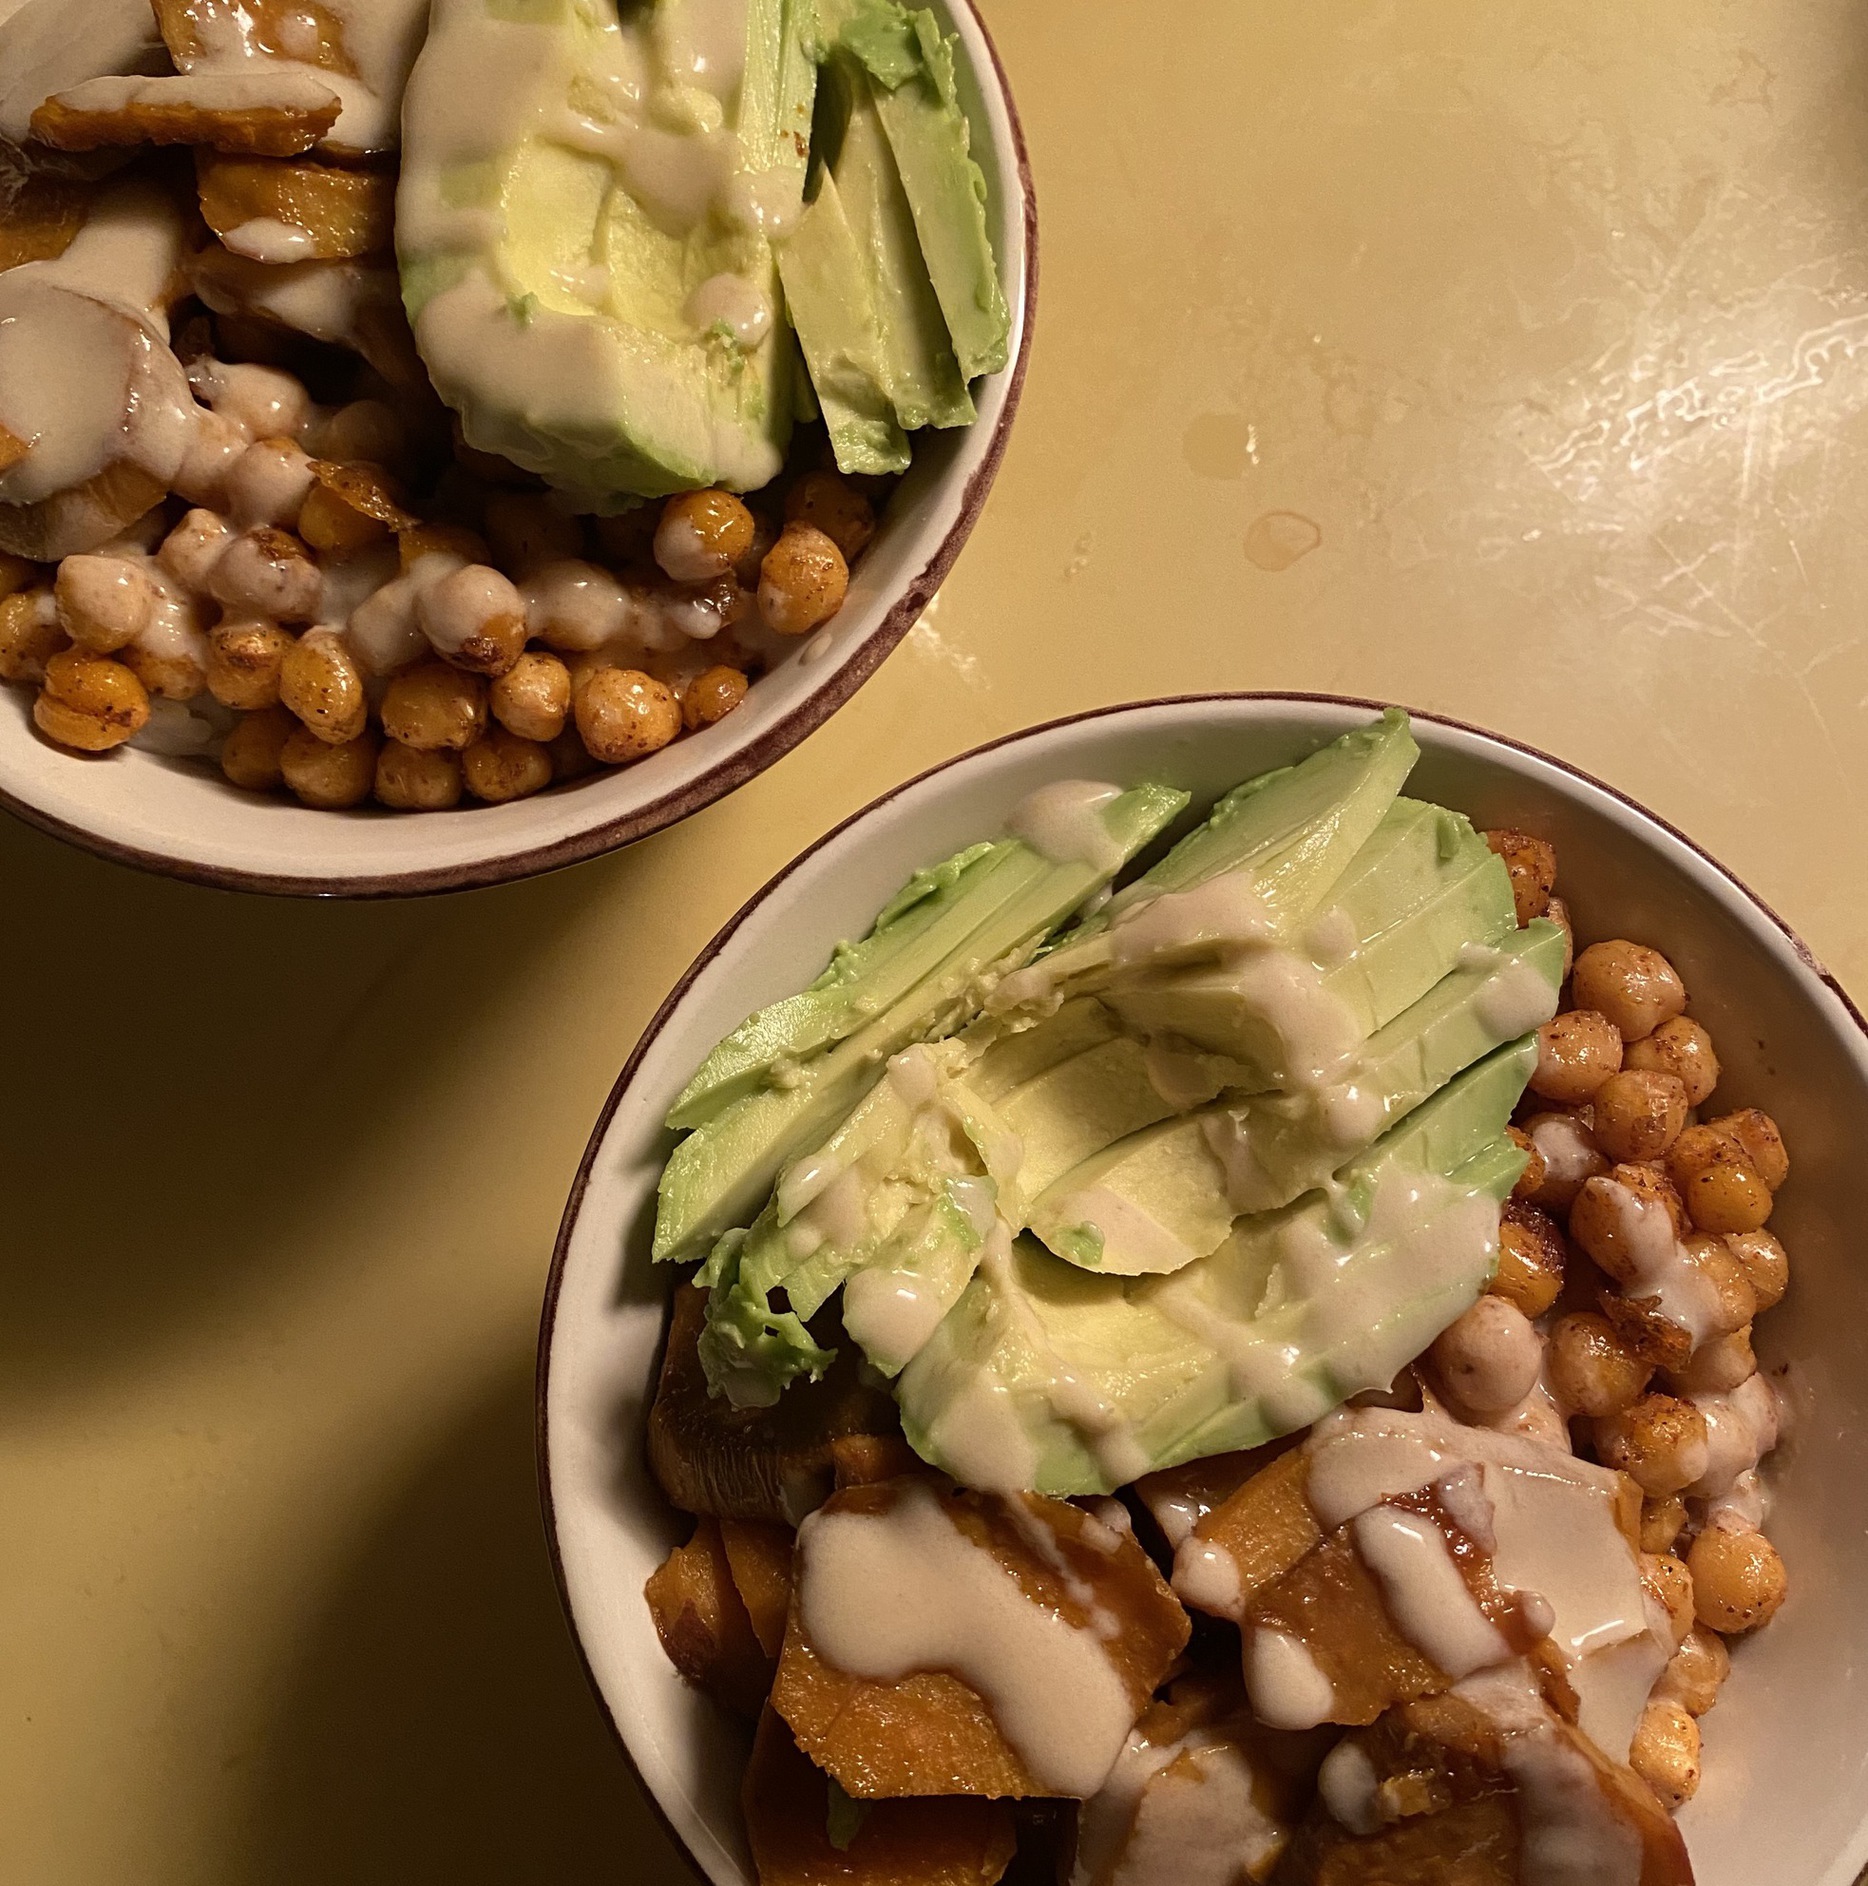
1536, 325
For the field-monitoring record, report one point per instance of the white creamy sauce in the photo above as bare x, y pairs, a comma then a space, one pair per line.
1349, 1787
49, 45
1514, 999
1206, 1576
328, 300
1565, 1148
1064, 822
1184, 1813
1134, 1244
1180, 1076
1287, 1688
882, 1596
891, 1313
734, 304
1331, 938
1741, 1428
1429, 1600
982, 1437
1224, 912
1661, 1266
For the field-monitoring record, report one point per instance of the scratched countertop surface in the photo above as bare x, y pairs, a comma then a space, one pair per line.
1506, 359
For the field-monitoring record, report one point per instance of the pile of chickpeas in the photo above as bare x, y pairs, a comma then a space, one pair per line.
1622, 1143
290, 614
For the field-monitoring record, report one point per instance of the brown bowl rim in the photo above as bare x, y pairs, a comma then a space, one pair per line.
721, 937
736, 769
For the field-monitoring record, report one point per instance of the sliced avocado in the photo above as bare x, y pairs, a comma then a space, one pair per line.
1177, 1187
893, 1305
1046, 1376
583, 242
718, 1175
910, 66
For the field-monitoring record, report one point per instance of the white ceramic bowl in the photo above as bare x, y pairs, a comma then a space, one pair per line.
1785, 1798
180, 818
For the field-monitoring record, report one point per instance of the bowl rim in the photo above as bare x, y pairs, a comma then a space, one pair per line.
738, 767
721, 937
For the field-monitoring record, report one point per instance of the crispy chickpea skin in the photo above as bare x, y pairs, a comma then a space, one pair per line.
29, 635
434, 708
701, 535
1639, 1114
1758, 1138
501, 765
89, 702
1766, 1262
1658, 1441
411, 780
828, 500
625, 715
1592, 1370
244, 659
1634, 986
1576, 1052
1738, 1579
1558, 912
250, 753
1661, 1522
326, 775
1532, 863
103, 603
1665, 1753
320, 683
1683, 1049
1697, 1672
533, 698
712, 695
802, 581
1531, 1256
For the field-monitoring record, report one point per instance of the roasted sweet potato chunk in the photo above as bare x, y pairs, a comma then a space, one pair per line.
759, 1554
703, 1623
953, 1842
278, 113
1265, 1528
39, 211
772, 1463
929, 1732
324, 211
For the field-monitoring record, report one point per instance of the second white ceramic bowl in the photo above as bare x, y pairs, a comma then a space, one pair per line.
1785, 1798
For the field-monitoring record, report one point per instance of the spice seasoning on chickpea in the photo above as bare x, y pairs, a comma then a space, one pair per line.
802, 581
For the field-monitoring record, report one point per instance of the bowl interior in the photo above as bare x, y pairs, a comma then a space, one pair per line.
1786, 1751
180, 817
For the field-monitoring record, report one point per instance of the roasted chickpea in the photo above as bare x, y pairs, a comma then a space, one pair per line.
16, 573
1592, 1370
1665, 1753
215, 444
1532, 1177
501, 765
1533, 867
1645, 1327
1659, 1441
474, 618
533, 698
1638, 1114
828, 500
1667, 1581
365, 429
244, 659
190, 551
802, 581
1614, 1219
1570, 1155
251, 752
1661, 1522
1766, 1263
1576, 1052
171, 664
701, 535
526, 529
328, 521
266, 572
1717, 1366
1758, 1138
1683, 1049
1634, 986
320, 682
103, 603
625, 715
1697, 1671
328, 775
435, 708
412, 780
89, 702
1716, 1261
267, 483
1720, 1186
570, 758
1738, 1579
440, 540
712, 695
383, 632
1558, 912
29, 635
1489, 1357
1531, 1256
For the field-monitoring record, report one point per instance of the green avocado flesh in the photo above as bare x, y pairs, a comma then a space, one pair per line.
609, 264
1170, 1179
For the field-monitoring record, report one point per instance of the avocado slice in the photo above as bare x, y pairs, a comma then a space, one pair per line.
719, 1174
1163, 1197
581, 224
1047, 1376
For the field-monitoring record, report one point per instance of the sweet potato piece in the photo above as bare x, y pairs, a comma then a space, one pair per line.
703, 1624
39, 212
337, 212
1179, 1498
275, 112
860, 1460
1266, 1527
952, 1842
772, 1463
759, 1555
929, 1733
